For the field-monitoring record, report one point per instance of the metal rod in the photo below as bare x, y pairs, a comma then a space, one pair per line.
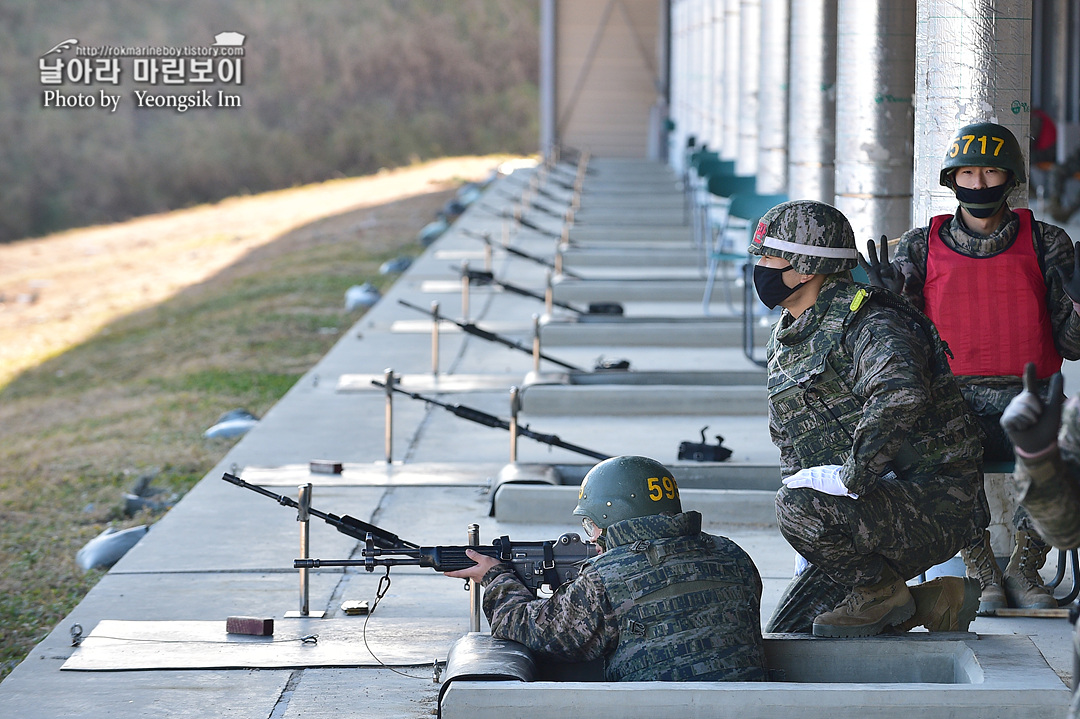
487, 257
474, 586
465, 291
435, 333
515, 407
388, 383
549, 293
303, 514
536, 342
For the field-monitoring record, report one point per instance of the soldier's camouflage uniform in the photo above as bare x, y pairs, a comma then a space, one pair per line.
1060, 209
1048, 484
861, 380
663, 602
988, 396
1049, 488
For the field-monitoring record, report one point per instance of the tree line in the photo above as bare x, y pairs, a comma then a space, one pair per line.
329, 89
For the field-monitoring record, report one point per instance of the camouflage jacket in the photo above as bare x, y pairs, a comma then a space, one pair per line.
1048, 485
861, 379
990, 395
663, 602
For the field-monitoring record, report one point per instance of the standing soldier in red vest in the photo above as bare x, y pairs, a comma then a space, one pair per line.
993, 281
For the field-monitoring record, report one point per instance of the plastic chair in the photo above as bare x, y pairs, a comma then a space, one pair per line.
716, 202
731, 235
709, 167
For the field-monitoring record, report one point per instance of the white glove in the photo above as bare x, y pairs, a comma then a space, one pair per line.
825, 479
800, 564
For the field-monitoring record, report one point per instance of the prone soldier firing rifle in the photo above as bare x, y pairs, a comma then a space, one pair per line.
663, 602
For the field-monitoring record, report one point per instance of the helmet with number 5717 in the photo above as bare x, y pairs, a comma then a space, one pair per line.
983, 144
624, 487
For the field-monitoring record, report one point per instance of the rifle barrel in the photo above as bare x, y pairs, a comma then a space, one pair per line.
554, 441
486, 239
474, 415
351, 526
476, 331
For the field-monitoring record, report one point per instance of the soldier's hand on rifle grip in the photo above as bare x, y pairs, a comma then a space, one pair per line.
1071, 283
1032, 425
880, 271
478, 570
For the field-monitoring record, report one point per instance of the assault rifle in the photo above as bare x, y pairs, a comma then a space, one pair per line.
549, 211
472, 329
347, 525
490, 420
551, 563
485, 237
543, 192
485, 277
516, 217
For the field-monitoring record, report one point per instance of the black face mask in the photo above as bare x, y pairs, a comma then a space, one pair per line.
985, 202
769, 283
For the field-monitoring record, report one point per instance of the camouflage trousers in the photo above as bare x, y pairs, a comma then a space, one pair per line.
909, 526
997, 447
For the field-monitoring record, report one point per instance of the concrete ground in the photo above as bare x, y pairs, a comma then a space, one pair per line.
153, 639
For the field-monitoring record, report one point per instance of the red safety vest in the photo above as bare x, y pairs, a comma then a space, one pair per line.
991, 310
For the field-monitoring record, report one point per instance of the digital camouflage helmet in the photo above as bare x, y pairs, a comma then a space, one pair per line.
814, 237
624, 487
983, 144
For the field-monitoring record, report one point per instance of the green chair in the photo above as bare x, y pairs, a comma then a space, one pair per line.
712, 198
730, 241
731, 233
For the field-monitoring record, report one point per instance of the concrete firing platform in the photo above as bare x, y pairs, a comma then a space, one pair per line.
980, 678
225, 551
649, 331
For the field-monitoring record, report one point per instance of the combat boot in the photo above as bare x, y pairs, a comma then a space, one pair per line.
868, 610
982, 565
1023, 585
945, 604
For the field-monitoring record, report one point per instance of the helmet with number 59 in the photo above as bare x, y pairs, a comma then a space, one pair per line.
624, 487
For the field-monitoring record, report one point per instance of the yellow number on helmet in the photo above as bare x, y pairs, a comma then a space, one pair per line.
670, 489
655, 492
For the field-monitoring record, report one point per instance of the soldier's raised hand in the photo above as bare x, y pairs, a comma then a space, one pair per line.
1031, 424
880, 271
1071, 283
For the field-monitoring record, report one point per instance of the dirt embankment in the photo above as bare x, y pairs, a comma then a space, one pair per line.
57, 291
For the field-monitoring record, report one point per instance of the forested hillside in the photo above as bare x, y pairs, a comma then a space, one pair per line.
330, 88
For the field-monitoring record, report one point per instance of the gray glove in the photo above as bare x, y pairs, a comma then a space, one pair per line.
880, 271
1031, 425
1071, 283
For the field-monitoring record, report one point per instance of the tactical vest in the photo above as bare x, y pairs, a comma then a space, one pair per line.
991, 310
810, 397
688, 610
